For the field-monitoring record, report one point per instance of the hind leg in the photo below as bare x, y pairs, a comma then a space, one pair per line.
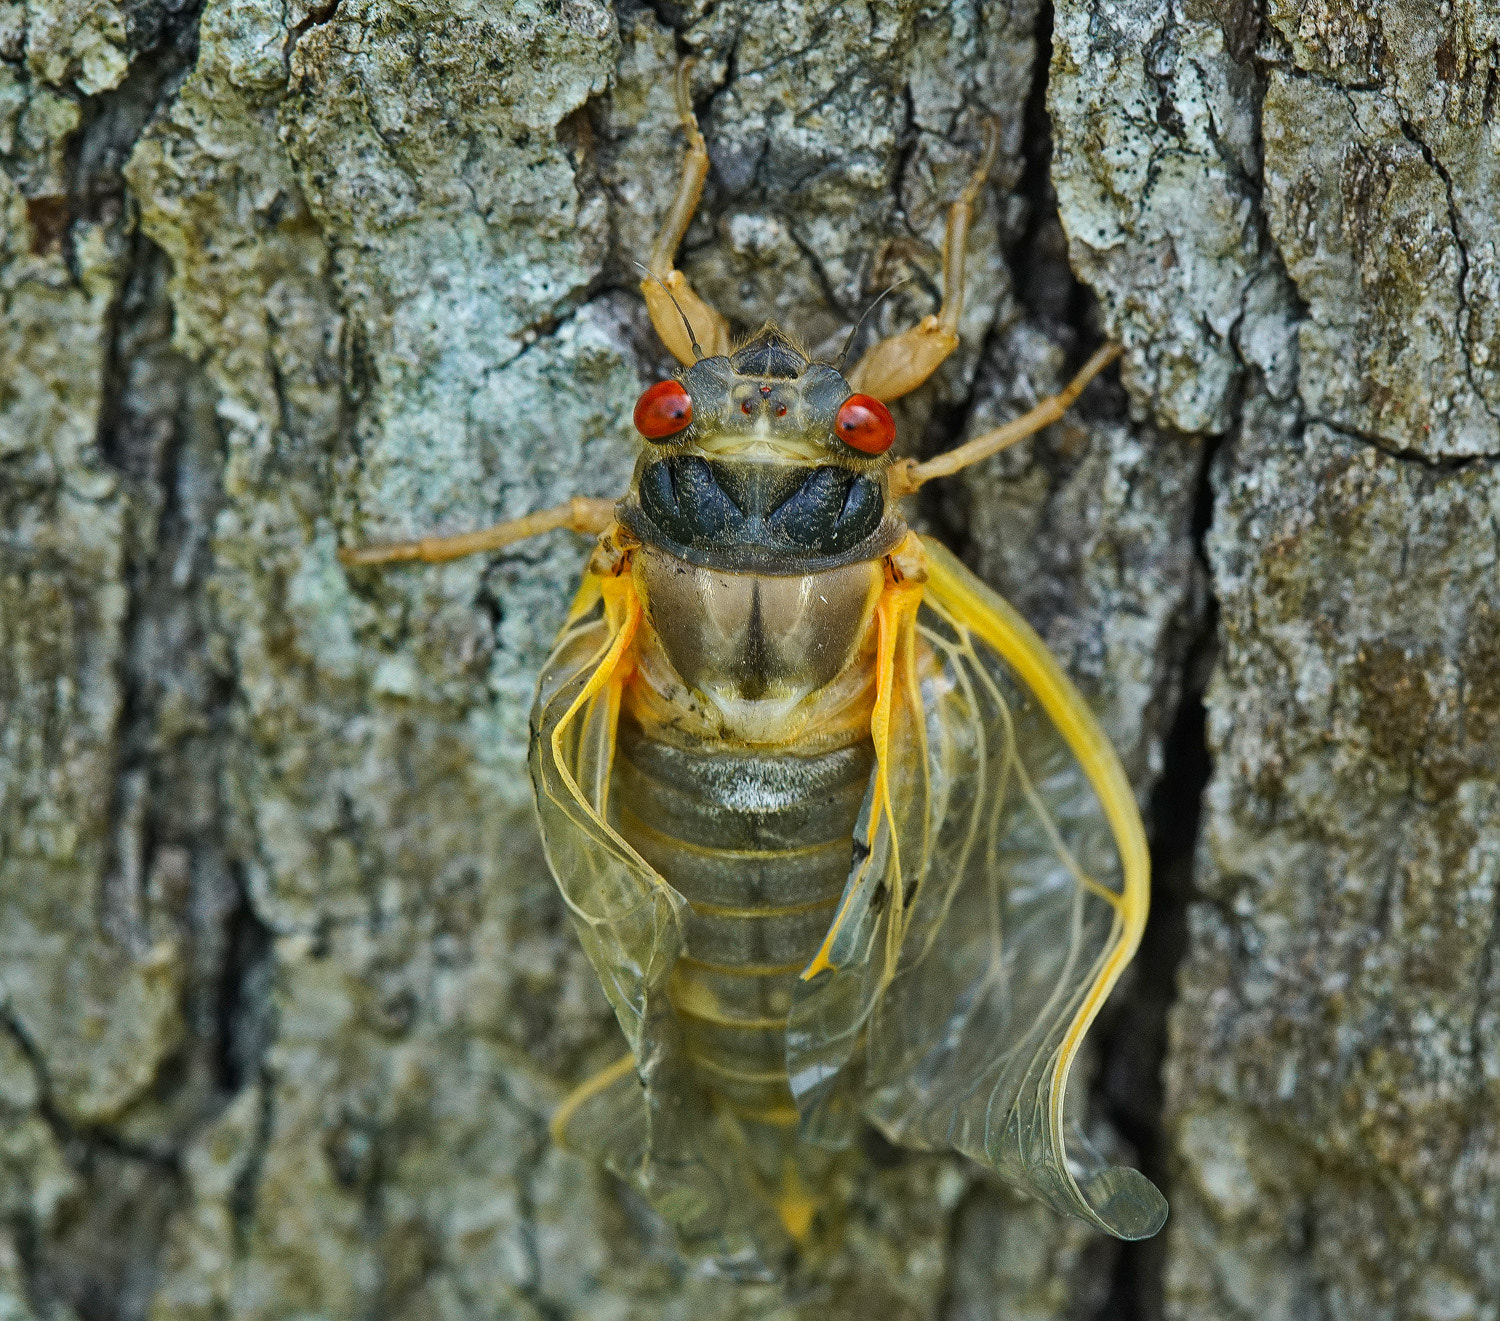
665, 282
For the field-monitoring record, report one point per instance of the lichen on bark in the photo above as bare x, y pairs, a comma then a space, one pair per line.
1331, 1071
286, 994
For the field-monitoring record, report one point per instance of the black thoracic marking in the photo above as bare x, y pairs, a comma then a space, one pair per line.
757, 660
799, 513
831, 511
682, 498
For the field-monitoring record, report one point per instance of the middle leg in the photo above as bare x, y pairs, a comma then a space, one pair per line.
582, 514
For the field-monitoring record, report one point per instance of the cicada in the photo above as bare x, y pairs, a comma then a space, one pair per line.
842, 841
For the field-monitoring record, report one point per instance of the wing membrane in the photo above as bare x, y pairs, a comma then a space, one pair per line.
1014, 878
650, 1122
628, 918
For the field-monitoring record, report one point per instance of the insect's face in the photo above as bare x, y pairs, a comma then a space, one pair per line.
761, 457
767, 403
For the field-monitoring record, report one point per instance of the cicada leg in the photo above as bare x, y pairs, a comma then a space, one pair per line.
580, 514
907, 475
896, 365
591, 1089
665, 282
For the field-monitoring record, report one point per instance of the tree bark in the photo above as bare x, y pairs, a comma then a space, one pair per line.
286, 993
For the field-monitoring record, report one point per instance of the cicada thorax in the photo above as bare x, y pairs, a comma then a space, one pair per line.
761, 539
744, 753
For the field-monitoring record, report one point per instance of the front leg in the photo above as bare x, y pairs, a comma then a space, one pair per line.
665, 282
907, 475
581, 514
896, 365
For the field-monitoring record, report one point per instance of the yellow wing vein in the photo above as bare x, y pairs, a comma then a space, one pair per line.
960, 675
1023, 778
998, 624
628, 607
602, 1081
896, 601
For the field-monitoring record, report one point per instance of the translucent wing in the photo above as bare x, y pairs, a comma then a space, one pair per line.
648, 1123
605, 1118
629, 919
893, 838
1005, 891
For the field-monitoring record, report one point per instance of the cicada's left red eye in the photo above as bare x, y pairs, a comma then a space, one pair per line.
865, 424
664, 410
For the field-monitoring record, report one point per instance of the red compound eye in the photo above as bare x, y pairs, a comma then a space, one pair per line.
865, 424
663, 410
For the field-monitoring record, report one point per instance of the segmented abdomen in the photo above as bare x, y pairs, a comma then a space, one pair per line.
760, 847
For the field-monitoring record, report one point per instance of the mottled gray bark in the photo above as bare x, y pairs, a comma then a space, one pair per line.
1291, 219
285, 989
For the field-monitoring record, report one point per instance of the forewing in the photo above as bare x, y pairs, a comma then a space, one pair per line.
841, 987
627, 917
1032, 902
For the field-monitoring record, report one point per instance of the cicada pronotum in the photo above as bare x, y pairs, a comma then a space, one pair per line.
840, 838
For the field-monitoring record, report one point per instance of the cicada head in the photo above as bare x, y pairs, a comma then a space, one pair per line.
767, 402
763, 459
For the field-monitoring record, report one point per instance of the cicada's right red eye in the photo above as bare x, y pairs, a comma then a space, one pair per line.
664, 410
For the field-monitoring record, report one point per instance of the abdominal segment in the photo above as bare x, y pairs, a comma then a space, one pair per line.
742, 761
760, 846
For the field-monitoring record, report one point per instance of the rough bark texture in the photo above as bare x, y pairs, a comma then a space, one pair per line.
286, 994
1291, 220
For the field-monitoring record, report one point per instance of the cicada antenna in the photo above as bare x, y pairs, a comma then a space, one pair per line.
686, 324
863, 316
